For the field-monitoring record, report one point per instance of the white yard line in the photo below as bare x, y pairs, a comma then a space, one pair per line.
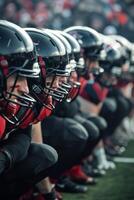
124, 160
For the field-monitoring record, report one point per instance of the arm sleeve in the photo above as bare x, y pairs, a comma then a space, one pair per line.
95, 93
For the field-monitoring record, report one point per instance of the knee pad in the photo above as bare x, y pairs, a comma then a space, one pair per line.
73, 141
65, 133
74, 131
92, 129
109, 106
44, 154
123, 106
100, 122
50, 153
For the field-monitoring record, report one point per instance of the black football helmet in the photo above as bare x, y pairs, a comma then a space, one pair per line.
77, 65
18, 58
71, 62
127, 58
111, 62
113, 55
53, 62
90, 42
126, 45
76, 50
68, 48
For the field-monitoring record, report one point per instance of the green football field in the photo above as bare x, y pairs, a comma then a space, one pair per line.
116, 185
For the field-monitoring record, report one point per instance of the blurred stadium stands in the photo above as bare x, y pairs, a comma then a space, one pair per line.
107, 16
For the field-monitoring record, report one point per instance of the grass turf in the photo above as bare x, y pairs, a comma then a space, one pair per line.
116, 185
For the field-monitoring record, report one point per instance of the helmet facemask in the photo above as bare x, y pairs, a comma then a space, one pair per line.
11, 101
51, 87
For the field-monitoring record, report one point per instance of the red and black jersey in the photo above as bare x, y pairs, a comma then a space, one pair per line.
44, 112
93, 91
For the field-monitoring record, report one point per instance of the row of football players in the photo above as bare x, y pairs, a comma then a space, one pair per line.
60, 91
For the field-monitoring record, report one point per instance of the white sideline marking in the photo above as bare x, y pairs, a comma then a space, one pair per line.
124, 160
